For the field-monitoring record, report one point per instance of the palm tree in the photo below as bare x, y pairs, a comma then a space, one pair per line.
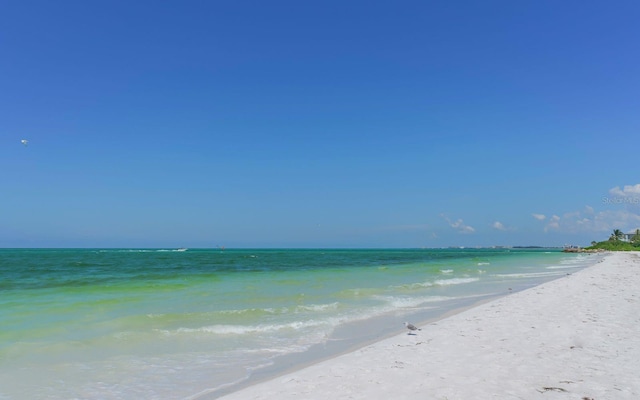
617, 234
636, 237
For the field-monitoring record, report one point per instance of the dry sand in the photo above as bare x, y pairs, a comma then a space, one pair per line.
577, 337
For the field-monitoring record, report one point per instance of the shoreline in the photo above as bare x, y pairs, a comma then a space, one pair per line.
345, 340
574, 337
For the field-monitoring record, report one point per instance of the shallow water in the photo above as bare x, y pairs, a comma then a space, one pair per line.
161, 323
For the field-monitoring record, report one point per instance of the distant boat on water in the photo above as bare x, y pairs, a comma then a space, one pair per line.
182, 249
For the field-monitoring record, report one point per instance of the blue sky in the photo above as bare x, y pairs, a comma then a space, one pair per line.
318, 124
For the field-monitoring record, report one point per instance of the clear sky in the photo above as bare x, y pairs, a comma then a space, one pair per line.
318, 123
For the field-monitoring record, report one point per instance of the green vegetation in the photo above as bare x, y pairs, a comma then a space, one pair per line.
614, 246
617, 242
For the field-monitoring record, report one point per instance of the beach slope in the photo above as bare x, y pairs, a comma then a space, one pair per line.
577, 337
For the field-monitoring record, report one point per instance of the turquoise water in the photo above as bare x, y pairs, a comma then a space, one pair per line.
168, 324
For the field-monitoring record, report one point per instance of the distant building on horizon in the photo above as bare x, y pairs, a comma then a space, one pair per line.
627, 237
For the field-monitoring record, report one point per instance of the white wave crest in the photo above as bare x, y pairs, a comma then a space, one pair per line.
318, 307
284, 310
411, 302
455, 281
529, 275
438, 282
250, 329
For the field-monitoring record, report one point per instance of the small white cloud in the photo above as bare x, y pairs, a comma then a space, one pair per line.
628, 196
467, 229
499, 226
598, 222
626, 191
539, 217
459, 225
590, 220
554, 223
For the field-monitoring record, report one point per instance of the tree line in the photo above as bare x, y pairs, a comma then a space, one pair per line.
617, 241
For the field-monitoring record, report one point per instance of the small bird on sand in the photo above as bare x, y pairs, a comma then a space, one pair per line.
411, 327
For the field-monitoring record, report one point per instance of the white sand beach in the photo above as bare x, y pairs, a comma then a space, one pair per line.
577, 337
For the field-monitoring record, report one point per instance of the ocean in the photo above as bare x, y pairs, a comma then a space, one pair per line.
197, 323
